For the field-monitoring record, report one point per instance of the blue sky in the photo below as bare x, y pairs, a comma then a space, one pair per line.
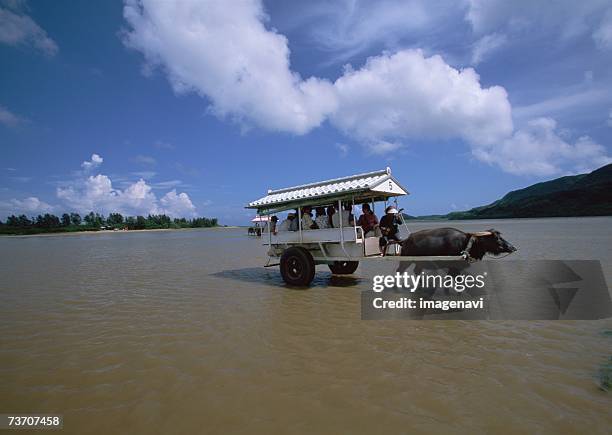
196, 108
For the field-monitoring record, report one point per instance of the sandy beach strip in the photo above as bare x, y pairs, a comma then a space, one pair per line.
80, 233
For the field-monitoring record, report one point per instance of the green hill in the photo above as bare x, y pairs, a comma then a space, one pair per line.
578, 195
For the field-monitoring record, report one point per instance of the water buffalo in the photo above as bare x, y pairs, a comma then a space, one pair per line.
451, 241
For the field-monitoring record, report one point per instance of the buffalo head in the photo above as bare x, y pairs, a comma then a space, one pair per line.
492, 243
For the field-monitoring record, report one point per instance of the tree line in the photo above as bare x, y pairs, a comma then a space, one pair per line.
94, 221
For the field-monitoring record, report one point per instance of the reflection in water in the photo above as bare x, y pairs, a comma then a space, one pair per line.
185, 332
257, 275
343, 281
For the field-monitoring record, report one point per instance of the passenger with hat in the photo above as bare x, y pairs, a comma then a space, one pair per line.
389, 226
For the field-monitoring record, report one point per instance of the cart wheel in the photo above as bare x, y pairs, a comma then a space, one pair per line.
343, 267
297, 266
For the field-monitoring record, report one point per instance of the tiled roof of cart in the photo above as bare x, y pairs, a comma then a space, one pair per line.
358, 183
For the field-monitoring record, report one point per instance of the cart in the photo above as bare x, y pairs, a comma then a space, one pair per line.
298, 252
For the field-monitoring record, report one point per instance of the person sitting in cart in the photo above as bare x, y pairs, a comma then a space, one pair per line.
321, 220
331, 211
307, 222
367, 221
295, 225
287, 223
347, 217
389, 226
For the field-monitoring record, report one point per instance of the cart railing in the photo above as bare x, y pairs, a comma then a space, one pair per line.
327, 235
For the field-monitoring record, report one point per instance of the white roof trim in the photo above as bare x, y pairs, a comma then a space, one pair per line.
336, 187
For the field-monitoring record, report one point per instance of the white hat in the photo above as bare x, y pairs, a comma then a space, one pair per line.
391, 210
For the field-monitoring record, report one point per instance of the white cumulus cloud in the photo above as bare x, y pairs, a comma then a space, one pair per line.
95, 161
539, 149
27, 206
19, 29
407, 95
97, 193
228, 55
225, 52
177, 204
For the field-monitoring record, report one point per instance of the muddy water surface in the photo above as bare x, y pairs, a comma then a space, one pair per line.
185, 332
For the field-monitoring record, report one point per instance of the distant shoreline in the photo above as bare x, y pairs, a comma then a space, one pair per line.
476, 219
80, 233
481, 218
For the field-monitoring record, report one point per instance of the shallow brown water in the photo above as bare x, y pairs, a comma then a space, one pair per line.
185, 332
